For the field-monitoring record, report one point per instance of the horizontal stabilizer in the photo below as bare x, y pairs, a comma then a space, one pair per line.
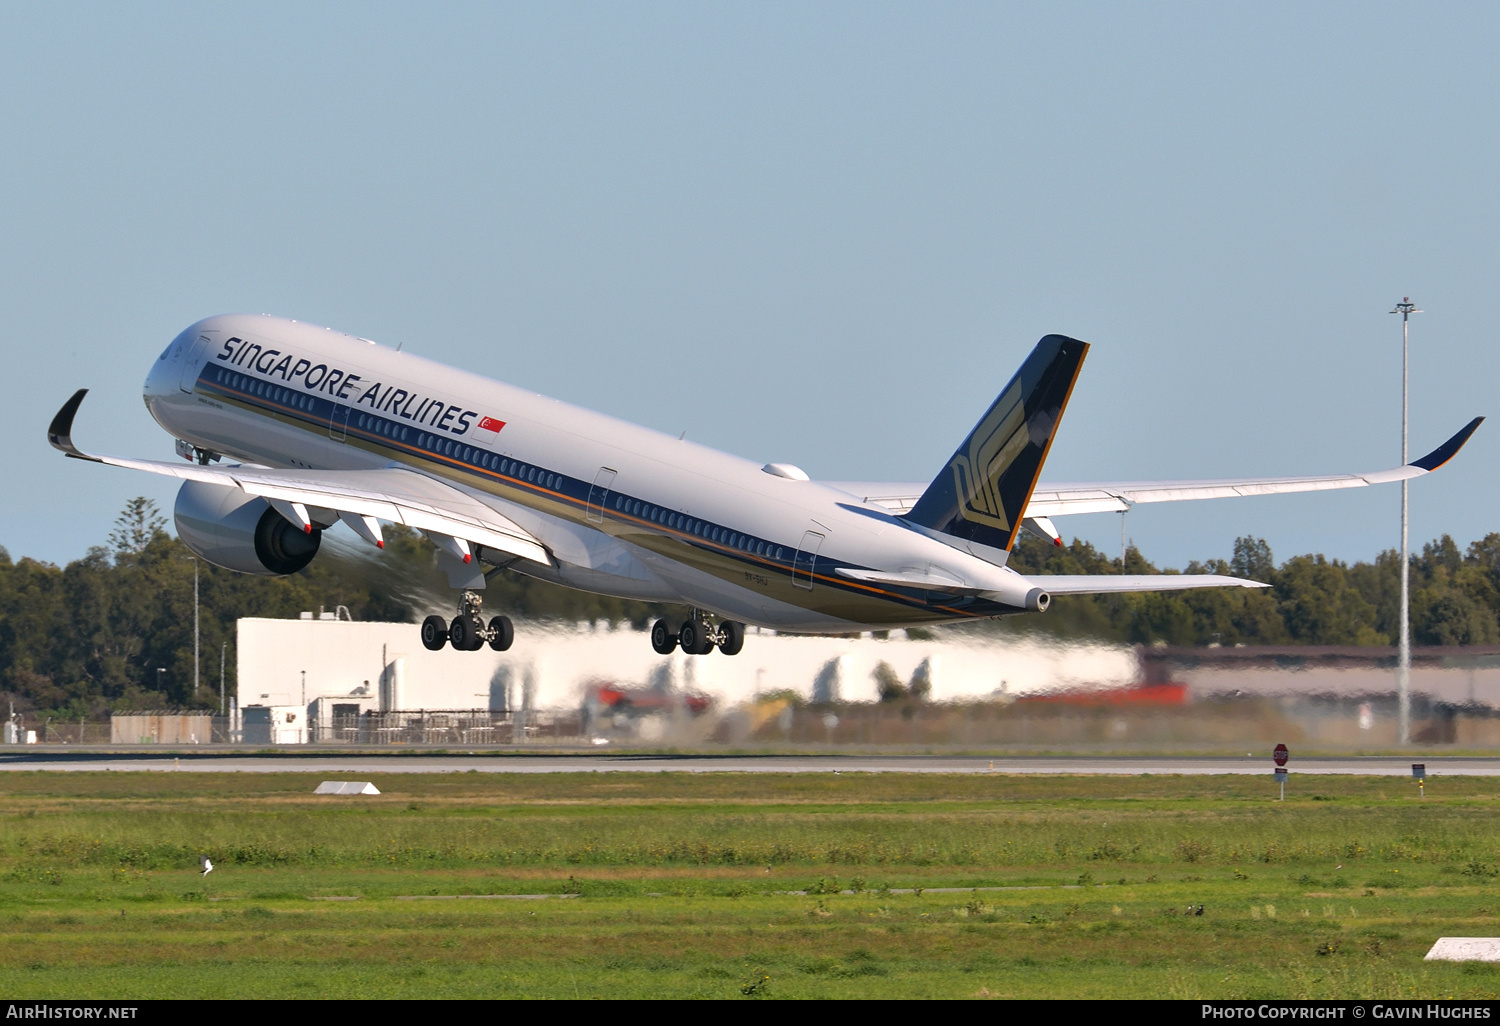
1101, 584
908, 579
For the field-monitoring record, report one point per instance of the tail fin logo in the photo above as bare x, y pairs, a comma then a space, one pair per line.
980, 495
993, 446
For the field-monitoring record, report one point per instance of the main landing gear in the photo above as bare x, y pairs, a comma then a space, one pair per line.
698, 636
468, 632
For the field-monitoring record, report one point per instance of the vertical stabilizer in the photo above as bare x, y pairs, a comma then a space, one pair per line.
981, 495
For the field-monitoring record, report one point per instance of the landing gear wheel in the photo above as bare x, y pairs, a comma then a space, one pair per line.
733, 637
464, 633
663, 639
501, 633
694, 638
434, 633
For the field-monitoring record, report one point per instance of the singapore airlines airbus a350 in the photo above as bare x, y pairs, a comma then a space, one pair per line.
327, 428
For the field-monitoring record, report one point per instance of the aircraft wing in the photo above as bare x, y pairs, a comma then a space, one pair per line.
896, 496
1050, 500
393, 494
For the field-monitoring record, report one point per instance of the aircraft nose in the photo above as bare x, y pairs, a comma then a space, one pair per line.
162, 379
157, 379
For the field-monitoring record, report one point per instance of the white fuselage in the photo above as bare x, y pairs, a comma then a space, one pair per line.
621, 509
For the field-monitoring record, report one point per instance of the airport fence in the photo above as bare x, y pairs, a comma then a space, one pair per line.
1348, 722
136, 729
446, 727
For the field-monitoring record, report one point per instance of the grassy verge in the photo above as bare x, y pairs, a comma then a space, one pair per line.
683, 881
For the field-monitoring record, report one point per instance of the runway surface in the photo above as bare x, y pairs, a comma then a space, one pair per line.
364, 763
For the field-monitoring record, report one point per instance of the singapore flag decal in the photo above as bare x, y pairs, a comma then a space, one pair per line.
487, 429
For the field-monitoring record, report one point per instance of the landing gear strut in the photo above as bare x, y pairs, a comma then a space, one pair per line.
468, 632
699, 635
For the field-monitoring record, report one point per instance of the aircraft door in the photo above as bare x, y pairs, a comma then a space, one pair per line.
338, 422
192, 358
805, 560
599, 495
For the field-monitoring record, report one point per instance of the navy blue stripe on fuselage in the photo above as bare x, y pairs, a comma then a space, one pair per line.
318, 413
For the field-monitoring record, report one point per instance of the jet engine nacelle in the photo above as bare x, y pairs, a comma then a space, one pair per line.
241, 532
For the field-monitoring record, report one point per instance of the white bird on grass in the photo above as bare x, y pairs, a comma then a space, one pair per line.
208, 867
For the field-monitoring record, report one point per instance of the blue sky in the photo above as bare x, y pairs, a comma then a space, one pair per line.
822, 234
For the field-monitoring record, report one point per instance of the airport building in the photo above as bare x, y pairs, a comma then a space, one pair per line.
327, 680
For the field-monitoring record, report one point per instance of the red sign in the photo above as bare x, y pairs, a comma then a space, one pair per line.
491, 424
1280, 755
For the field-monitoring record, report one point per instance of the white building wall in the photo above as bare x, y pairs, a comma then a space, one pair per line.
549, 666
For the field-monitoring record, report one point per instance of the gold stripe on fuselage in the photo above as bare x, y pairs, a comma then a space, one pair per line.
840, 598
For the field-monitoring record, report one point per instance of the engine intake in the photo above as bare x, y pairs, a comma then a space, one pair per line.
237, 531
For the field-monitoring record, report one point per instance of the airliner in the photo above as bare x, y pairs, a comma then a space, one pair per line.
286, 430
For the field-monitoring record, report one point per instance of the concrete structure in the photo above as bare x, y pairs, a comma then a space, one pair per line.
274, 725
346, 787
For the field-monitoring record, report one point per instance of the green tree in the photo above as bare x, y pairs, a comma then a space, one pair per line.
136, 527
1252, 560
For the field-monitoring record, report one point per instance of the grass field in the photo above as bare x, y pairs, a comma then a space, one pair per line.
679, 886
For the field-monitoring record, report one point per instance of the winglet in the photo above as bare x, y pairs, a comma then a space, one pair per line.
1445, 452
60, 431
